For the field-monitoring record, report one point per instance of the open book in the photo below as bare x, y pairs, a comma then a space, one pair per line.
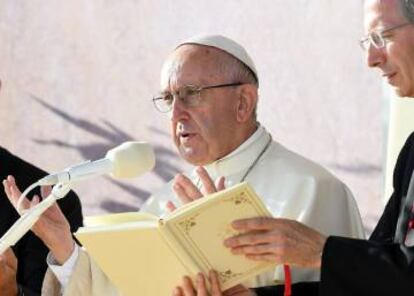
146, 255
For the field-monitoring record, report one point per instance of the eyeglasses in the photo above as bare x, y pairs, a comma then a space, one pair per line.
377, 38
189, 95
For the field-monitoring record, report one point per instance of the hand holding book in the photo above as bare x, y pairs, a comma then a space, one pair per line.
282, 241
199, 288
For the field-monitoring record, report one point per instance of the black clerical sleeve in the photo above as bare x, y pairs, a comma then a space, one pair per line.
378, 266
360, 267
30, 251
386, 227
298, 289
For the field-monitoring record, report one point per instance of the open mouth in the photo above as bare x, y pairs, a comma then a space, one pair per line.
185, 137
389, 76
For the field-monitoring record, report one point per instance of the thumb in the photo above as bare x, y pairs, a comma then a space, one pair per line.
9, 258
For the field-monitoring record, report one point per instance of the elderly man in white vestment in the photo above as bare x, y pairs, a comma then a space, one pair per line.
210, 92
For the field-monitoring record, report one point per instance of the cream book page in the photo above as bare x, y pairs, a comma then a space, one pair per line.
129, 249
202, 226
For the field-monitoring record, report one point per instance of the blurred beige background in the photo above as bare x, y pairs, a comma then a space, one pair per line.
78, 77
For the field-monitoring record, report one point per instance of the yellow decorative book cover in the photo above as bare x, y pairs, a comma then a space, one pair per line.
146, 255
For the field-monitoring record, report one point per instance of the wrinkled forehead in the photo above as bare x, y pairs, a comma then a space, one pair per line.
380, 14
190, 65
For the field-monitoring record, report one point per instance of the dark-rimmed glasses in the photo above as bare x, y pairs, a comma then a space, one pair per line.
189, 95
377, 38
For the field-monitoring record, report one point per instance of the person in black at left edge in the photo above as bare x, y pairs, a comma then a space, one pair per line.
23, 267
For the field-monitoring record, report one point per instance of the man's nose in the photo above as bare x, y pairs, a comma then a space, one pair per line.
178, 109
375, 56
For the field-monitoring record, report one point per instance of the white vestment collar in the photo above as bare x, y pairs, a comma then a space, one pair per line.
242, 157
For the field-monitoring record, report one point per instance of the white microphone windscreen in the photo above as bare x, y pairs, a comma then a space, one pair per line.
131, 159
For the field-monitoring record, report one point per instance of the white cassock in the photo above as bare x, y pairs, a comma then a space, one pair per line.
290, 186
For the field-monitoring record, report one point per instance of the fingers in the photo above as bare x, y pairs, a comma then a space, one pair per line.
187, 287
12, 259
266, 252
278, 240
177, 292
208, 184
264, 239
257, 249
205, 179
238, 290
185, 190
35, 200
201, 285
220, 184
252, 238
267, 246
265, 257
215, 283
45, 191
258, 223
12, 192
8, 183
170, 206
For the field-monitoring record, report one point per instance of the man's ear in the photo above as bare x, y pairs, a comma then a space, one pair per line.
247, 102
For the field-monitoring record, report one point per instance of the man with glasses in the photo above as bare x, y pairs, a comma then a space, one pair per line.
210, 92
384, 264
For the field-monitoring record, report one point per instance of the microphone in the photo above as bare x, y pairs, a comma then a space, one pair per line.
127, 160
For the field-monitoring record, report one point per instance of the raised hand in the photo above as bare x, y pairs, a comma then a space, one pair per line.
52, 227
187, 288
187, 191
8, 271
278, 240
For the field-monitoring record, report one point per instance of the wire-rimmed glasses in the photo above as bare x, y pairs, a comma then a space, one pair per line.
190, 96
378, 38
